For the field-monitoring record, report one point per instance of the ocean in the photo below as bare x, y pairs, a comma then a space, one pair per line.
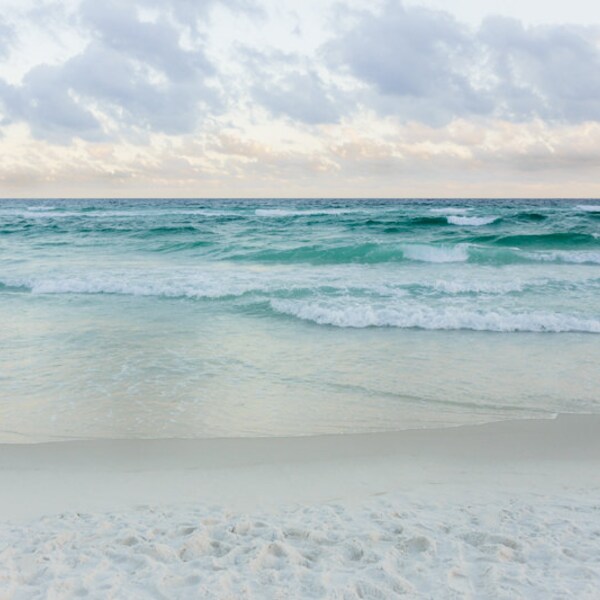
234, 318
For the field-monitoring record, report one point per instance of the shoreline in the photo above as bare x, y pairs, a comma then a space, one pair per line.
39, 479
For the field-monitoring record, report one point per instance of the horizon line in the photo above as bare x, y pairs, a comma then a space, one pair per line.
401, 198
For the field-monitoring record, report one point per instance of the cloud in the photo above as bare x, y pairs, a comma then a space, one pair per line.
360, 158
417, 61
133, 75
150, 96
552, 72
190, 12
44, 101
116, 26
424, 65
6, 38
288, 87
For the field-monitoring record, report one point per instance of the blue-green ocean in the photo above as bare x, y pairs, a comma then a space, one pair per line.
212, 318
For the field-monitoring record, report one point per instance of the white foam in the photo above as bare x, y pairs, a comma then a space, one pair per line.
478, 287
281, 212
565, 256
188, 285
407, 316
472, 221
436, 254
41, 208
451, 210
589, 207
206, 282
101, 213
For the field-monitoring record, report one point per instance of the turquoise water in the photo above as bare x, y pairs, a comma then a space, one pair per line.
189, 318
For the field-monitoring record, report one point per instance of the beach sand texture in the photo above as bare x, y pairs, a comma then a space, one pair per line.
504, 510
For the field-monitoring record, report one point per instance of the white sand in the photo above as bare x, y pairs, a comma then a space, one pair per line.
505, 510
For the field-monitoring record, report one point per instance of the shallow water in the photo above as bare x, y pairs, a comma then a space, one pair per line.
188, 318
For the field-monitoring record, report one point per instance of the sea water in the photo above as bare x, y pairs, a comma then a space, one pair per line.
224, 318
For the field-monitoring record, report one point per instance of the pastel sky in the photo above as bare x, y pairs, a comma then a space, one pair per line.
312, 98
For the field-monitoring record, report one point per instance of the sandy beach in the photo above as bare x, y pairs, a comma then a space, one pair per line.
502, 510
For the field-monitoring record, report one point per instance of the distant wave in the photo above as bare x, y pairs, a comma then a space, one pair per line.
42, 208
98, 213
549, 239
361, 253
531, 216
421, 317
282, 212
436, 254
168, 230
474, 221
450, 210
579, 257
428, 221
589, 207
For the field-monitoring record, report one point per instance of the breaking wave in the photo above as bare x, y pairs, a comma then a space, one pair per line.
472, 221
578, 257
478, 287
436, 254
421, 317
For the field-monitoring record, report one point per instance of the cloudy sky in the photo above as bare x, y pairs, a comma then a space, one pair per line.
320, 98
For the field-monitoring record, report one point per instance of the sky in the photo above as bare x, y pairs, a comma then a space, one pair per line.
327, 98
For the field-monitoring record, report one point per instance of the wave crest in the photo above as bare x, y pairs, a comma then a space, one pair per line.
42, 208
283, 212
472, 221
420, 317
450, 210
578, 257
436, 254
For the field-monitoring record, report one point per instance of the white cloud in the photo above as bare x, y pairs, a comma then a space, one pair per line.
6, 38
423, 64
361, 98
133, 73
